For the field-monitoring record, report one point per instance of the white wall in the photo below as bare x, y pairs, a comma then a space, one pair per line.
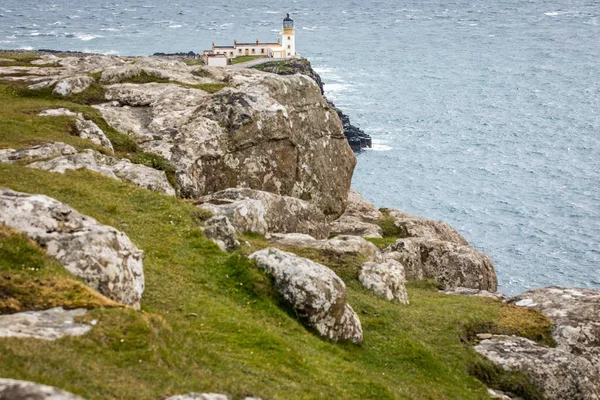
217, 62
291, 42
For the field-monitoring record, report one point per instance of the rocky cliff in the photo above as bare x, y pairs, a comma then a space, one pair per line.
186, 230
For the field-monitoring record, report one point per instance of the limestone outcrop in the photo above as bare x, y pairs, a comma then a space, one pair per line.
575, 313
111, 167
41, 152
73, 85
557, 373
359, 218
343, 245
99, 254
11, 389
282, 214
265, 132
386, 279
315, 292
449, 264
413, 226
49, 324
245, 215
220, 231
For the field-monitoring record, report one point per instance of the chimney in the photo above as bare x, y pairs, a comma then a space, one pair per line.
257, 41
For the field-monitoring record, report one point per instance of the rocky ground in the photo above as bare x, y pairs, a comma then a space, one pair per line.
175, 220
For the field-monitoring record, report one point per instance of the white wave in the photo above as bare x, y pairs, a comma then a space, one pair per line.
86, 37
12, 37
272, 12
175, 26
5, 41
332, 88
380, 147
110, 29
111, 53
553, 13
306, 28
56, 23
323, 70
25, 48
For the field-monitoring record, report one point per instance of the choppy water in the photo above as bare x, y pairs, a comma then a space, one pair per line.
484, 114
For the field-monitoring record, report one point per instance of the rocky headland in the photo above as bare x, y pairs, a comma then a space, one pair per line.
196, 227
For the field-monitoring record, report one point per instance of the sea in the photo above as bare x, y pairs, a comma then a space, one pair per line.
483, 114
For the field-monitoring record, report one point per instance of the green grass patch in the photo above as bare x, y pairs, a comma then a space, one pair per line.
277, 67
212, 323
512, 383
30, 280
243, 59
384, 242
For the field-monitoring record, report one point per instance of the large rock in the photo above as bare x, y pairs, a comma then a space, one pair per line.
102, 256
343, 245
87, 159
386, 279
221, 232
283, 214
49, 324
111, 167
11, 389
73, 85
352, 245
575, 314
358, 207
263, 131
41, 152
87, 129
557, 373
346, 225
412, 226
449, 264
245, 215
315, 292
359, 218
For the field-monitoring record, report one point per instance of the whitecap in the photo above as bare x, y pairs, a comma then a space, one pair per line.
12, 37
380, 147
110, 29
322, 70
175, 26
25, 48
309, 29
272, 12
86, 37
552, 13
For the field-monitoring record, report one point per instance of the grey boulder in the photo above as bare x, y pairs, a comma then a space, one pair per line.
221, 232
315, 292
73, 85
575, 314
449, 264
283, 214
41, 152
413, 226
11, 389
99, 254
49, 324
245, 215
385, 279
359, 218
557, 373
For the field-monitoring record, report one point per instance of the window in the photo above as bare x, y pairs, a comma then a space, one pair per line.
262, 51
240, 51
252, 51
289, 38
289, 47
231, 53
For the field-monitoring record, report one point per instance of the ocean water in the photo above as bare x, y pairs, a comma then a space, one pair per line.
483, 114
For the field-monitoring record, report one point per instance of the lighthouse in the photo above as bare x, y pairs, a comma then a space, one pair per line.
288, 38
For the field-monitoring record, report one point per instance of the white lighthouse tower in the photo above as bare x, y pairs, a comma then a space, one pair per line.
288, 37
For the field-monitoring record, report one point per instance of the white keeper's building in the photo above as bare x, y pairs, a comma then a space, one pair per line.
285, 47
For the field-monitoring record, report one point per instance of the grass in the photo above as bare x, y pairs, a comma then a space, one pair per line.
280, 66
211, 321
243, 59
144, 77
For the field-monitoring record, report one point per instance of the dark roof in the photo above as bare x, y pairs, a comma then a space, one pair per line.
288, 18
216, 55
254, 44
224, 47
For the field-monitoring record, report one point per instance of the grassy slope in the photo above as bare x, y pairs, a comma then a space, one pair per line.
211, 321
